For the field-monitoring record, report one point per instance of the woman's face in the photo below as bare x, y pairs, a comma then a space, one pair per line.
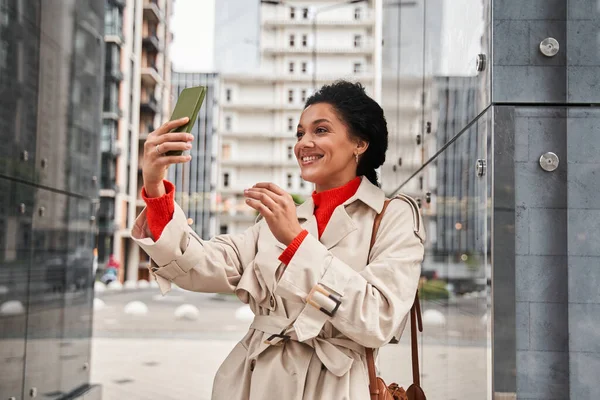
325, 149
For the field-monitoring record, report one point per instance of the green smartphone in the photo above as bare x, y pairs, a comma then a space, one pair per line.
188, 105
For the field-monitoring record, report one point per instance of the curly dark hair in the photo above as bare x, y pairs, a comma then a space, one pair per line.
364, 119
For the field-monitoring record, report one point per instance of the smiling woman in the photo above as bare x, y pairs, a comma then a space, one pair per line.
320, 293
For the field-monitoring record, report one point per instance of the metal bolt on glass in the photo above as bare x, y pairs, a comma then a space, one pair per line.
481, 62
549, 47
481, 167
549, 161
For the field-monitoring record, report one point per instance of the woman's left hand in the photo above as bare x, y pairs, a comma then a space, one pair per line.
277, 208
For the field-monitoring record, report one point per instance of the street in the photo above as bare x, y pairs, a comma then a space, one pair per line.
157, 356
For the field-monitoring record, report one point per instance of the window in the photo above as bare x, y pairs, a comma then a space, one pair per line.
292, 12
303, 95
357, 68
292, 40
291, 67
228, 94
357, 40
289, 181
290, 152
304, 40
226, 179
290, 96
357, 13
305, 13
228, 123
226, 151
290, 124
304, 67
223, 230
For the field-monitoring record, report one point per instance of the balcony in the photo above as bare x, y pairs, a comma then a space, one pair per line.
254, 107
148, 104
257, 135
269, 163
283, 20
113, 34
152, 11
113, 72
364, 48
299, 77
151, 43
117, 3
150, 75
112, 112
145, 131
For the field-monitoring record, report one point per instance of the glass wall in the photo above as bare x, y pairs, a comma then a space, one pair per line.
50, 79
436, 97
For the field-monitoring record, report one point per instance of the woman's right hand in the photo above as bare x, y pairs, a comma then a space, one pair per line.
155, 162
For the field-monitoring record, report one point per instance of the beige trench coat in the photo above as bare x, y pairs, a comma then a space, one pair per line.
317, 356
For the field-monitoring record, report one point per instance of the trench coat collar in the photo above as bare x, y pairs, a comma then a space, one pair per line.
368, 193
340, 224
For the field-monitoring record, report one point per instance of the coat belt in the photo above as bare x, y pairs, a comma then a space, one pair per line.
328, 350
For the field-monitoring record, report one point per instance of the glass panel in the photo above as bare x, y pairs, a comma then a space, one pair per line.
46, 293
16, 206
457, 32
402, 88
70, 79
455, 346
19, 66
77, 319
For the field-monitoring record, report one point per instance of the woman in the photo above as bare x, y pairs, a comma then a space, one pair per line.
319, 295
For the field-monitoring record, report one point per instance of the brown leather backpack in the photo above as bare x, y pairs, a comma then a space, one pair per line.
377, 387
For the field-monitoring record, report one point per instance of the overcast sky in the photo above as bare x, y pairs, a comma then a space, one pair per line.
193, 24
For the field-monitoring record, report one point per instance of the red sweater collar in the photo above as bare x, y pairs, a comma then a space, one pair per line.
328, 200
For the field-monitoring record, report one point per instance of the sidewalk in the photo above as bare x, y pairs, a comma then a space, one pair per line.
176, 369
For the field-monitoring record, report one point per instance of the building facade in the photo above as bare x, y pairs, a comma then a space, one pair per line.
196, 181
136, 100
300, 45
505, 172
51, 80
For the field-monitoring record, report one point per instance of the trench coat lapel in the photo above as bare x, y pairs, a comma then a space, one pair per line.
338, 227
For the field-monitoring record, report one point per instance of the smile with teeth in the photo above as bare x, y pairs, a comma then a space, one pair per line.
310, 159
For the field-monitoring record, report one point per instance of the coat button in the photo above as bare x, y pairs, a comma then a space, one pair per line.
272, 301
252, 365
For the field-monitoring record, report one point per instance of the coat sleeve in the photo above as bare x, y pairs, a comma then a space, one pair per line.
374, 302
182, 257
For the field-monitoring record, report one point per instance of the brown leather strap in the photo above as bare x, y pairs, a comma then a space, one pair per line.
415, 317
373, 389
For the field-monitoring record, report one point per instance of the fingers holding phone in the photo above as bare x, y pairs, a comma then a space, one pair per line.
156, 151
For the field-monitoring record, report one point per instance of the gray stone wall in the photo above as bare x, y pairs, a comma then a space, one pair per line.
539, 107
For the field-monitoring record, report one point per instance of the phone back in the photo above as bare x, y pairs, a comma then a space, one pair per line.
188, 105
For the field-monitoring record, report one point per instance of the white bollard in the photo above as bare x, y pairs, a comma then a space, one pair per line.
187, 312
143, 284
130, 285
99, 287
98, 304
136, 308
244, 313
115, 285
12, 307
434, 318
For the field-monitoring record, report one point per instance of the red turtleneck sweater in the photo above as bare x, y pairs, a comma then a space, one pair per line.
160, 210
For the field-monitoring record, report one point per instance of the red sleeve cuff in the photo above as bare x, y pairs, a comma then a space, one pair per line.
288, 253
159, 210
